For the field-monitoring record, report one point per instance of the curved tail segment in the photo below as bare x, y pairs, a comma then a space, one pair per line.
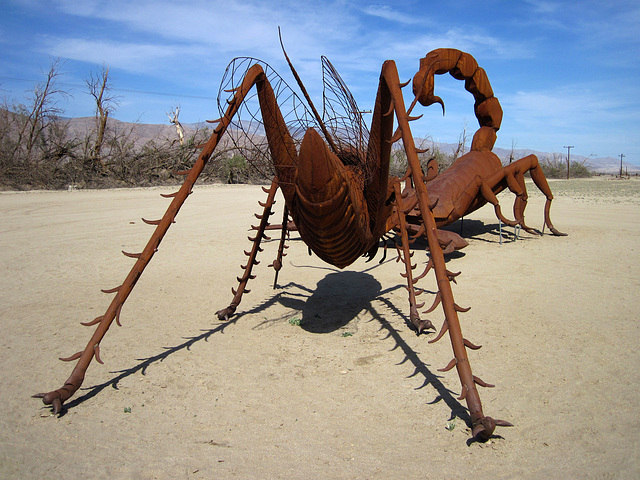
461, 66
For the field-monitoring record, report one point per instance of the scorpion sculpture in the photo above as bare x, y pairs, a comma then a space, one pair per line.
339, 195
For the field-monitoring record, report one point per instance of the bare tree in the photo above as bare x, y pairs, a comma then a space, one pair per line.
462, 142
173, 119
513, 150
37, 117
99, 89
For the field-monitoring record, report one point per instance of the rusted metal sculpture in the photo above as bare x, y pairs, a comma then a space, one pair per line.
477, 177
334, 176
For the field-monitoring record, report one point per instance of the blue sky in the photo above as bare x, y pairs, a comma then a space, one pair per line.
565, 72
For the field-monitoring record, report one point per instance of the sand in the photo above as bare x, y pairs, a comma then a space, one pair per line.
321, 377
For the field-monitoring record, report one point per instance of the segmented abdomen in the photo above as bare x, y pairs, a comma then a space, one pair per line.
336, 227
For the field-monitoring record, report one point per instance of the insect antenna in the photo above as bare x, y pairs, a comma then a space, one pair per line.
306, 95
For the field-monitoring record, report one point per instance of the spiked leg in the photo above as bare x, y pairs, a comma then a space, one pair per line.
225, 313
483, 427
419, 324
59, 396
56, 398
284, 233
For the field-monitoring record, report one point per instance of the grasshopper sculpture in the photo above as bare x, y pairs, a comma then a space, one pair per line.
339, 195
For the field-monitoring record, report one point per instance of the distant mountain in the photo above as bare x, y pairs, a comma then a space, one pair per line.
603, 165
143, 133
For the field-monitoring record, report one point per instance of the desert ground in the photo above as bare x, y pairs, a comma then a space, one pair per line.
319, 378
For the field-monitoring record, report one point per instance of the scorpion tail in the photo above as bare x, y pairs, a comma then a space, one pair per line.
461, 66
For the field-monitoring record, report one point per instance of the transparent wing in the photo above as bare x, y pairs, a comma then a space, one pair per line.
341, 114
246, 130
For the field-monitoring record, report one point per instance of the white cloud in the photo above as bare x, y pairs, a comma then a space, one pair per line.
586, 108
229, 25
128, 56
387, 13
472, 41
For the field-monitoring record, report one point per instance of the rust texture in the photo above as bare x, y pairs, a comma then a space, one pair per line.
334, 175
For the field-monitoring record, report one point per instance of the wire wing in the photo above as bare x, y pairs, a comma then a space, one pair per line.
246, 130
342, 117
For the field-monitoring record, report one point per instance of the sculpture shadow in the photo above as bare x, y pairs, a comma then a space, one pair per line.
338, 299
486, 232
142, 366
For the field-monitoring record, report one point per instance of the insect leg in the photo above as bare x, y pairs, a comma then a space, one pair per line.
414, 316
225, 313
56, 398
284, 234
483, 426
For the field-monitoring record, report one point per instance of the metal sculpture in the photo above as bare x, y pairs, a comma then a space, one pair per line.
334, 176
478, 176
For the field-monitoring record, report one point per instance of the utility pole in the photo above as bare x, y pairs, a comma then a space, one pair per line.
568, 147
621, 157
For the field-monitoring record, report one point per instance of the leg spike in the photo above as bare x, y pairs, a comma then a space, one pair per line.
92, 322
118, 316
73, 357
151, 222
452, 276
96, 350
391, 109
449, 366
436, 302
111, 290
482, 383
460, 309
470, 345
426, 271
443, 330
463, 394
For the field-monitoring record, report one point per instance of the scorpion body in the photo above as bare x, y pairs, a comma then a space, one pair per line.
475, 178
342, 200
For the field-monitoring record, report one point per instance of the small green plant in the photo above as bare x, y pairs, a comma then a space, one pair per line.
451, 424
347, 334
295, 321
127, 409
